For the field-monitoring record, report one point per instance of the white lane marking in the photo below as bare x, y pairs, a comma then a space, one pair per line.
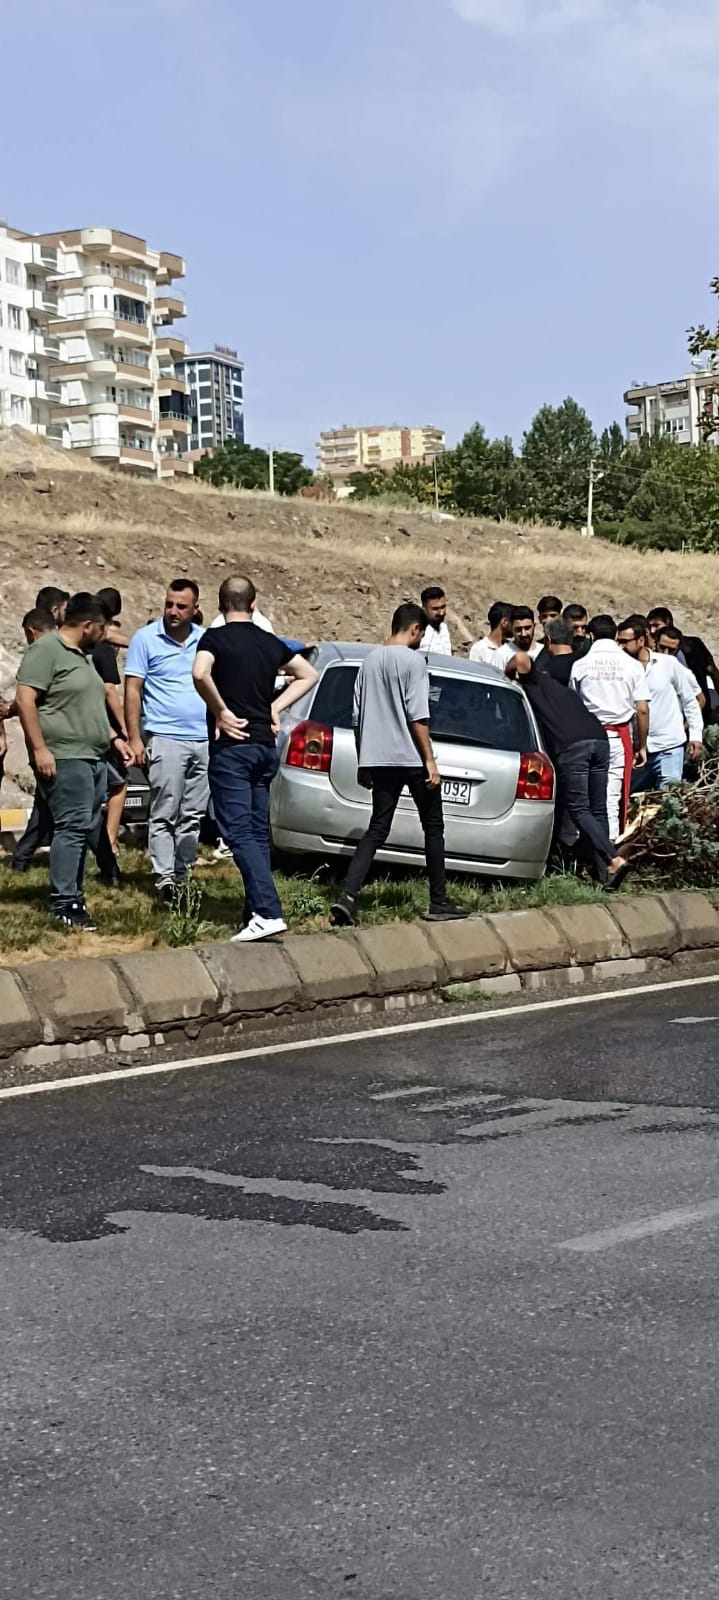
150, 1069
275, 1188
691, 1022
407, 1094
643, 1228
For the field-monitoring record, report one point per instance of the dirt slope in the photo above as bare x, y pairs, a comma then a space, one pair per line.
322, 571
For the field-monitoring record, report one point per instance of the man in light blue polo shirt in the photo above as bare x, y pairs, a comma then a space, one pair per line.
167, 729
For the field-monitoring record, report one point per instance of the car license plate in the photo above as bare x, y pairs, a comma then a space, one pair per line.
456, 792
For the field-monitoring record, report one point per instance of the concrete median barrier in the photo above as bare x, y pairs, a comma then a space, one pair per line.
169, 986
401, 957
532, 940
79, 1010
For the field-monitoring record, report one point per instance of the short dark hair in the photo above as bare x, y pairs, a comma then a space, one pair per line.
112, 601
574, 612
432, 593
84, 607
521, 614
660, 614
670, 632
42, 621
48, 597
558, 631
409, 615
236, 594
178, 584
500, 609
603, 627
549, 602
637, 623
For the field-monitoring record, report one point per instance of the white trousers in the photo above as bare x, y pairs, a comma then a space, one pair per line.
615, 785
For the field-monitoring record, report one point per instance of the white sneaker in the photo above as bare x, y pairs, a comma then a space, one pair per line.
259, 928
222, 853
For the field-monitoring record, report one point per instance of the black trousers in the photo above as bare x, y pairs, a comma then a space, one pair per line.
39, 831
387, 786
582, 771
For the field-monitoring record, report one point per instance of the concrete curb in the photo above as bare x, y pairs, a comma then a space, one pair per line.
55, 1011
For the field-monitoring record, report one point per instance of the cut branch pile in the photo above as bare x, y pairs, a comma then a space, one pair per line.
676, 835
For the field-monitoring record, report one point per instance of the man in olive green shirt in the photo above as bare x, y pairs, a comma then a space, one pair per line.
61, 705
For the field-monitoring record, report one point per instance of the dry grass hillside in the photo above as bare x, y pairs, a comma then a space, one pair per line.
321, 570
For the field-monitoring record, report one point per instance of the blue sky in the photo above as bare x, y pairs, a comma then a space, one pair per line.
397, 210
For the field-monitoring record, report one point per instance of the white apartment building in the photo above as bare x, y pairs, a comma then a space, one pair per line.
675, 408
23, 363
341, 451
94, 313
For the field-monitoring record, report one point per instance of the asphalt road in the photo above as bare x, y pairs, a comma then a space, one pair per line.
424, 1317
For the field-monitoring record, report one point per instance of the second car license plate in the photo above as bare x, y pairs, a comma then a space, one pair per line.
456, 792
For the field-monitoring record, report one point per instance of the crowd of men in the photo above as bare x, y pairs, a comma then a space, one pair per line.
618, 708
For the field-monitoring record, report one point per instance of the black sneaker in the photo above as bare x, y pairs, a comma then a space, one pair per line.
342, 913
19, 866
76, 916
165, 895
445, 911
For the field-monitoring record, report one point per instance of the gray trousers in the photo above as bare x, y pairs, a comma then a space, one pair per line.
179, 792
74, 798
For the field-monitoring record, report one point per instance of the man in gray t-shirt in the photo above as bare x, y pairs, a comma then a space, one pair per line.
394, 752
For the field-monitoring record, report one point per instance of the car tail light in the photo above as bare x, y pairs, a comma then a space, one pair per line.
536, 777
310, 747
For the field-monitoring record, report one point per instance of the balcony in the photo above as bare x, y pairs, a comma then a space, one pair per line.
131, 330
170, 346
95, 320
173, 422
172, 385
140, 415
167, 307
171, 266
137, 457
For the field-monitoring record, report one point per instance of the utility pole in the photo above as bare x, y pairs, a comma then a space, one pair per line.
436, 485
271, 461
594, 478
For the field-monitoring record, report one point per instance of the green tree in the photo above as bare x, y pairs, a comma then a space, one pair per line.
556, 454
488, 480
249, 468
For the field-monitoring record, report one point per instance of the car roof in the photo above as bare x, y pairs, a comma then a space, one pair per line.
354, 653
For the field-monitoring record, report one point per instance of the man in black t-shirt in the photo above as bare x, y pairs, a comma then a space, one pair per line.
104, 660
579, 748
234, 672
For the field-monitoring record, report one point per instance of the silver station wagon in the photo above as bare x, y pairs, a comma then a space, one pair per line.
497, 782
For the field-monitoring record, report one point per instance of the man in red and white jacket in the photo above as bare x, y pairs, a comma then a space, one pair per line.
614, 687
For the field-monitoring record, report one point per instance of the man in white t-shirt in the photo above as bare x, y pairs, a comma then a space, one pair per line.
523, 629
436, 639
259, 620
675, 708
495, 651
615, 689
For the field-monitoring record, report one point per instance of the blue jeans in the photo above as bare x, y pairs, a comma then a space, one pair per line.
240, 777
663, 768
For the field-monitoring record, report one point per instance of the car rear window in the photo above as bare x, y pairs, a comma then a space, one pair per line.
463, 710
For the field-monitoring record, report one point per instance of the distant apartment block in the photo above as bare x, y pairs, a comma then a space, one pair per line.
344, 450
215, 390
87, 314
675, 409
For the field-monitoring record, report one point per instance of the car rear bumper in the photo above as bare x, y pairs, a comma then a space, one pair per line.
309, 818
